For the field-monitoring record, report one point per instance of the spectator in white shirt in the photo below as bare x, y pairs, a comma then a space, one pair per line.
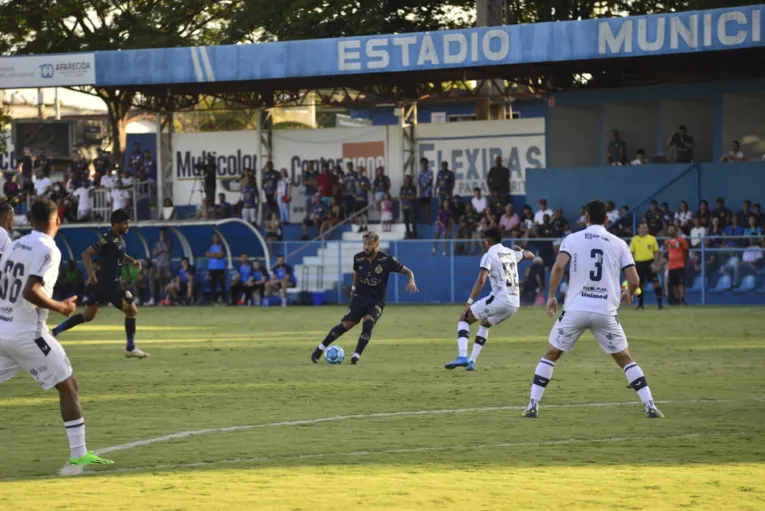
84, 202
734, 154
120, 195
108, 180
479, 203
685, 216
42, 184
697, 232
612, 214
539, 216
751, 261
639, 158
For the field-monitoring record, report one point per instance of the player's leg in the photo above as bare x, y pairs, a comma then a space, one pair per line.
352, 316
563, 336
371, 316
612, 340
463, 334
657, 289
643, 276
282, 285
127, 305
496, 315
90, 313
681, 286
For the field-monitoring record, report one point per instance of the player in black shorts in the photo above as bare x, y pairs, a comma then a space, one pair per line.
371, 269
106, 287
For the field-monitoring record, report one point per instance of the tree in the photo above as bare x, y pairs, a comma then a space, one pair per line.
5, 126
63, 26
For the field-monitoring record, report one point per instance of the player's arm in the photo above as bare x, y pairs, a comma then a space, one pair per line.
87, 261
411, 286
133, 261
34, 293
633, 281
525, 254
556, 275
478, 286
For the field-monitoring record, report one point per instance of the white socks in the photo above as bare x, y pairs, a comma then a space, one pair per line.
480, 340
638, 382
75, 430
463, 332
542, 376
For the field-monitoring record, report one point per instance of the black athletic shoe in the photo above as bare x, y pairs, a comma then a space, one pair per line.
316, 355
354, 361
661, 306
639, 307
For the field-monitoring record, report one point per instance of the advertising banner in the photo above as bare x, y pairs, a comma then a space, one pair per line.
48, 71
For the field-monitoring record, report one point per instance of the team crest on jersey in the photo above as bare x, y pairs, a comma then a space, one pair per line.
102, 241
379, 269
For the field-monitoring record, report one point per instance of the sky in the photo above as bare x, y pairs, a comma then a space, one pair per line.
67, 97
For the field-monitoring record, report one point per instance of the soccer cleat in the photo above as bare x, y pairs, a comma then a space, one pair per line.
457, 362
136, 353
530, 413
654, 413
660, 307
470, 366
639, 307
90, 458
354, 360
316, 355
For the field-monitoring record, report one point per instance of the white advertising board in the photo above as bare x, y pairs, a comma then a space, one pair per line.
48, 71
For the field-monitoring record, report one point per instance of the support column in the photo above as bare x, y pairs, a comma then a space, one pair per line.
408, 120
265, 151
165, 176
490, 101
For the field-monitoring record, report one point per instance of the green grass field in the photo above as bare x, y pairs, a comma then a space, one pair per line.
213, 368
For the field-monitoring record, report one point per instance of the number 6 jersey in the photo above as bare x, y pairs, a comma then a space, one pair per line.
597, 260
502, 264
36, 255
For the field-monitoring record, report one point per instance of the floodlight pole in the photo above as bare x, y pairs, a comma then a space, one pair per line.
264, 143
490, 13
408, 123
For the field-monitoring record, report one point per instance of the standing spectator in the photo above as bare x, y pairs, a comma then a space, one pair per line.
533, 281
542, 211
733, 229
444, 224
282, 278
223, 209
639, 158
163, 257
758, 215
685, 216
698, 232
84, 202
581, 223
326, 184
458, 209
667, 216
270, 180
479, 203
705, 214
508, 221
120, 195
249, 190
381, 186
499, 178
349, 191
273, 230
386, 218
528, 225
683, 145
745, 213
100, 165
623, 226
168, 210
645, 251
362, 199
546, 249
311, 185
334, 217
136, 157
722, 212
612, 214
242, 282
318, 215
407, 197
339, 185
425, 180
210, 172
677, 249
734, 154
284, 194
560, 224
752, 229
42, 184
617, 150
445, 183
653, 218
43, 163
217, 268
26, 165
149, 167
79, 168
12, 190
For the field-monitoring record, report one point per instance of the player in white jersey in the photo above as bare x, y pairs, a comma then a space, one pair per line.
7, 216
597, 259
29, 271
500, 264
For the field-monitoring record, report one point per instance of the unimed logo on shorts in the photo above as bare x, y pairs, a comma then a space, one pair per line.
369, 155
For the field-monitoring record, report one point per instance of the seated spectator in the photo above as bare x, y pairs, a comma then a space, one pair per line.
722, 212
84, 202
734, 154
654, 218
533, 281
751, 261
282, 278
508, 221
334, 217
274, 228
319, 213
528, 225
639, 158
715, 234
496, 208
667, 216
752, 229
242, 282
611, 213
444, 225
758, 215
168, 210
698, 231
222, 208
705, 214
542, 211
581, 222
560, 224
745, 213
733, 230
182, 289
458, 209
260, 277
12, 190
685, 216
623, 226
617, 150
479, 203
465, 230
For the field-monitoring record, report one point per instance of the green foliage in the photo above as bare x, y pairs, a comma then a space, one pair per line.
5, 127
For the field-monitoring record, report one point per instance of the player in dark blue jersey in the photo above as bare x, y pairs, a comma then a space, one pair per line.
371, 269
106, 287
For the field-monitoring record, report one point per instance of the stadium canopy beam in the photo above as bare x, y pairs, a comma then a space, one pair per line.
67, 245
187, 252
142, 239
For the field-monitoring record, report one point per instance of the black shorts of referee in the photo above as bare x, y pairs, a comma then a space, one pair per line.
645, 272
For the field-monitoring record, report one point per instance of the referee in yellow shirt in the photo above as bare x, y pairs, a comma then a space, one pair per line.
645, 250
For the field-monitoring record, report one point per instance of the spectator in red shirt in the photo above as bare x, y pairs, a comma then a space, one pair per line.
326, 181
677, 249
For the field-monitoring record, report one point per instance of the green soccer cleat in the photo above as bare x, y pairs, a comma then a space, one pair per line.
89, 458
531, 412
654, 413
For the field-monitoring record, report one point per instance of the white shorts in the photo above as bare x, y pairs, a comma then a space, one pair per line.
605, 328
386, 216
249, 215
44, 358
492, 309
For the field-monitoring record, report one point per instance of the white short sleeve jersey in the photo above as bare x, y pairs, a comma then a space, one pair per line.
5, 241
597, 260
502, 264
37, 255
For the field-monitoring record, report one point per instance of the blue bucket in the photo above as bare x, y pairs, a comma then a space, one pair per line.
318, 297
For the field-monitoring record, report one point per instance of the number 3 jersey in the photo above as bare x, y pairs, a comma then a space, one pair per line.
502, 264
597, 260
35, 255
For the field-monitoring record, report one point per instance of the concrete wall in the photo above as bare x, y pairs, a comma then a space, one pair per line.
744, 120
636, 123
698, 117
574, 136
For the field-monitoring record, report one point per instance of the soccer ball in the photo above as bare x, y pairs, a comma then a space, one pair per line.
638, 291
334, 355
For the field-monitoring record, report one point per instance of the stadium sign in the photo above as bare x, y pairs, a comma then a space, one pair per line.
48, 70
8, 161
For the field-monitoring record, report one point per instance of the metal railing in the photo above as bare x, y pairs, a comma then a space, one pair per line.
324, 237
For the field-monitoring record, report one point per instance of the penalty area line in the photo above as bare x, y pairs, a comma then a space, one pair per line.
185, 434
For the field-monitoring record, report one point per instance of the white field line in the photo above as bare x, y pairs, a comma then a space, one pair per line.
184, 434
414, 450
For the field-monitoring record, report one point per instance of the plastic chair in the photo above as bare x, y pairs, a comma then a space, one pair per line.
698, 284
732, 261
724, 283
748, 283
